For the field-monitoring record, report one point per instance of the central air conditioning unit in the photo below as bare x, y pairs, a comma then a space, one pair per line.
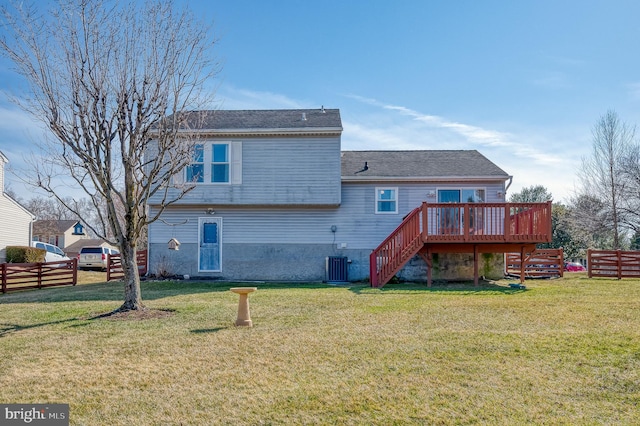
336, 268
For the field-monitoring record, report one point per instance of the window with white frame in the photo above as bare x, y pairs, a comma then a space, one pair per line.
195, 170
220, 163
386, 200
216, 162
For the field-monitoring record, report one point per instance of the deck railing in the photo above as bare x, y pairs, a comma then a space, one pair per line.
455, 223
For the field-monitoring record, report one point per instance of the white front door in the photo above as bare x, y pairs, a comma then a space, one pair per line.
210, 244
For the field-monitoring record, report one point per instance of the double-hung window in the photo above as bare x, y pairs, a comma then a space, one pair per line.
220, 163
215, 162
386, 200
195, 170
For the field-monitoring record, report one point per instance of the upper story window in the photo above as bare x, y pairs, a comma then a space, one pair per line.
195, 171
219, 162
386, 200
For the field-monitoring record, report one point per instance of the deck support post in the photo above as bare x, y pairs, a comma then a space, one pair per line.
522, 264
476, 280
428, 259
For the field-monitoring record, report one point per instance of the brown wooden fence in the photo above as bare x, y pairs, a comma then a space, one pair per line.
540, 263
114, 265
613, 264
23, 276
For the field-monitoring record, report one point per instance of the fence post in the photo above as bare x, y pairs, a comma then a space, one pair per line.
619, 260
4, 277
74, 264
108, 267
40, 275
589, 274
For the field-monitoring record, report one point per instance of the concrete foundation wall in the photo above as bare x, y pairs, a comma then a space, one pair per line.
306, 262
454, 267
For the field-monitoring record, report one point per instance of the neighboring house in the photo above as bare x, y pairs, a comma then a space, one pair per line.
15, 220
275, 198
61, 233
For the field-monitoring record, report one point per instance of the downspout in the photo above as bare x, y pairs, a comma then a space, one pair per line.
508, 185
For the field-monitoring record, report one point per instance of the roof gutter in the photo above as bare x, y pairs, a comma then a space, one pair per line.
266, 132
509, 184
425, 178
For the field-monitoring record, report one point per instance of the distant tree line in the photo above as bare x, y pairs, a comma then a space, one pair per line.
605, 211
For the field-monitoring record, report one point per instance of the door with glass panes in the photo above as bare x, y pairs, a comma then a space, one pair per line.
210, 242
451, 219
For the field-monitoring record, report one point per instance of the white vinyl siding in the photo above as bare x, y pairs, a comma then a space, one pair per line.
275, 171
356, 223
15, 225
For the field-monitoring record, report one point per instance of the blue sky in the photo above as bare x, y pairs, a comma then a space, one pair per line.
523, 82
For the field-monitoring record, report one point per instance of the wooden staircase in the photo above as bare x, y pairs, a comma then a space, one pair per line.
396, 250
460, 228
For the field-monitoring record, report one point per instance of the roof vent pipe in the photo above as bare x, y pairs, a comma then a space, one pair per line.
322, 109
304, 116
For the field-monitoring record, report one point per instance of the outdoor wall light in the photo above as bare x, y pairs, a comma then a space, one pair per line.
500, 194
210, 211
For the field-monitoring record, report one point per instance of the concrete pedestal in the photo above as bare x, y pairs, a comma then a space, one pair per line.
244, 316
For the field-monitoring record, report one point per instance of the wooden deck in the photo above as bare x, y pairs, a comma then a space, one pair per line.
461, 228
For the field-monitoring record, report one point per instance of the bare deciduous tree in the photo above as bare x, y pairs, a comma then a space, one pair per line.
104, 78
602, 174
631, 174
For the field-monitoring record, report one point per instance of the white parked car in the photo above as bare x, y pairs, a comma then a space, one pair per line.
54, 253
94, 257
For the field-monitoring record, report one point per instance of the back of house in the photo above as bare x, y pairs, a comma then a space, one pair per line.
276, 199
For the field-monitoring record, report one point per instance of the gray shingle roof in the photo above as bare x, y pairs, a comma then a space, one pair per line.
45, 226
418, 164
265, 119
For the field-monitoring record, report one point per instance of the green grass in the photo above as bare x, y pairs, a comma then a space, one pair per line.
563, 351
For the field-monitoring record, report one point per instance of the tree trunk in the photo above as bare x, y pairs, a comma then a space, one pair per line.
132, 295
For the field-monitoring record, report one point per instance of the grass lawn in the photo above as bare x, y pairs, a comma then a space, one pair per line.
563, 351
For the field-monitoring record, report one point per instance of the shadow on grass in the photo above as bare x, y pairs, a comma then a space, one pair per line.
6, 329
208, 330
484, 287
154, 290
151, 290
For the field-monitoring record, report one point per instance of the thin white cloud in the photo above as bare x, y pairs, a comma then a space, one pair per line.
553, 80
230, 97
634, 91
470, 133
